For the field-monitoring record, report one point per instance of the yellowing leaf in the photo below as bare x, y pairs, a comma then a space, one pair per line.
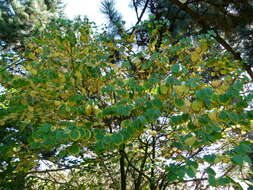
153, 133
181, 89
2, 122
88, 109
164, 89
196, 106
190, 141
78, 74
213, 116
195, 57
30, 109
216, 83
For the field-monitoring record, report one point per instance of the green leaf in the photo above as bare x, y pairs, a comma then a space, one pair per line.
75, 135
172, 81
76, 98
210, 158
223, 115
210, 171
179, 102
212, 181
61, 137
46, 128
247, 159
152, 114
250, 114
243, 148
175, 68
117, 138
222, 181
233, 116
193, 82
237, 160
204, 94
74, 149
224, 98
107, 140
126, 64
191, 171
125, 123
87, 134
180, 172
17, 83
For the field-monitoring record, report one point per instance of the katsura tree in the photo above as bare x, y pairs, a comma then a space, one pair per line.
153, 118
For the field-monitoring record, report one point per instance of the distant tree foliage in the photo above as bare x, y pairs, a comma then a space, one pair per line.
19, 17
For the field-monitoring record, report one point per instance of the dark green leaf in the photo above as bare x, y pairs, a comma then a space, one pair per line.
223, 181
175, 68
210, 171
212, 181
237, 159
210, 158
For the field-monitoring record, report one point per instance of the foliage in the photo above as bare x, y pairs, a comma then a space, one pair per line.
230, 20
19, 18
149, 120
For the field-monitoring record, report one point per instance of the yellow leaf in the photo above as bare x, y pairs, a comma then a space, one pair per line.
78, 74
31, 56
57, 103
2, 122
153, 133
196, 106
216, 83
195, 57
164, 89
190, 141
30, 109
33, 71
181, 89
213, 116
88, 109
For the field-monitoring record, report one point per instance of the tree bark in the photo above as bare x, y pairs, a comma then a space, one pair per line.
152, 182
122, 168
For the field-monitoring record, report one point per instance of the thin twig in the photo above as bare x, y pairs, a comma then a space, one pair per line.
141, 15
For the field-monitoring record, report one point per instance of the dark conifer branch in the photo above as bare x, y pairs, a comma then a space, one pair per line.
219, 39
140, 17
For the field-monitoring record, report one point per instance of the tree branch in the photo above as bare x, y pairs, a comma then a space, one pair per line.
217, 37
52, 181
136, 169
136, 9
140, 17
52, 170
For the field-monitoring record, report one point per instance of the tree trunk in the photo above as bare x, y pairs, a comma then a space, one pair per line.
122, 168
152, 183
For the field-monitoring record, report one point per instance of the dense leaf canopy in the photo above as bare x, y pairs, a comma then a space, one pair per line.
86, 110
72, 99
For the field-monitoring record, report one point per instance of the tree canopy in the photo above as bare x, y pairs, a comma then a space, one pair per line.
230, 20
111, 113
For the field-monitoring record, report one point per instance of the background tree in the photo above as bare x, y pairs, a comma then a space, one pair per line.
18, 21
19, 18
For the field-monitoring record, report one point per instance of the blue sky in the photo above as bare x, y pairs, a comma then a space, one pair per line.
91, 8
